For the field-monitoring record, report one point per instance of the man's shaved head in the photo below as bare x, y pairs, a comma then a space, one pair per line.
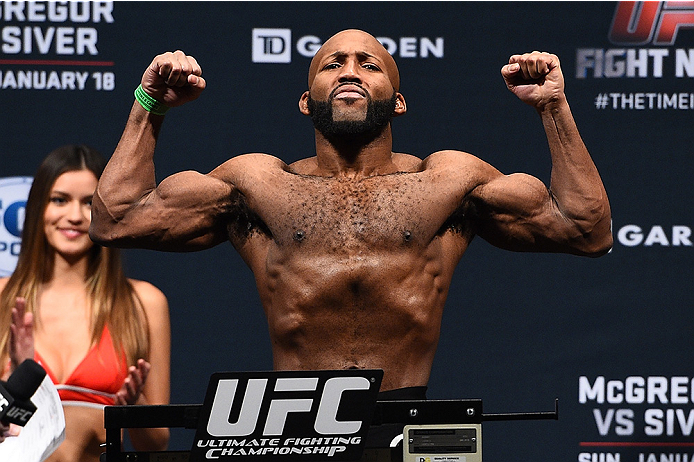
359, 41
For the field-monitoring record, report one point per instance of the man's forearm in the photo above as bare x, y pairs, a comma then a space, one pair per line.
575, 182
129, 175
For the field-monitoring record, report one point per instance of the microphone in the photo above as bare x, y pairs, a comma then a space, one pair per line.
15, 405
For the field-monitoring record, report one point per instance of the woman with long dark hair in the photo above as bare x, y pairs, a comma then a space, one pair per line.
102, 338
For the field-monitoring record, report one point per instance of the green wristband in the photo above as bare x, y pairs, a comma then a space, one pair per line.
150, 104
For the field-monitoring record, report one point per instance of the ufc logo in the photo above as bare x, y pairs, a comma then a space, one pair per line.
19, 414
326, 422
638, 23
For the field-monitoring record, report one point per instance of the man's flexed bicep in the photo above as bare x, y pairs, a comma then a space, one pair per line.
518, 212
573, 215
186, 211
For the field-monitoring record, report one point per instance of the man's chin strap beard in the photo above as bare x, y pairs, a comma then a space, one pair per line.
347, 138
348, 133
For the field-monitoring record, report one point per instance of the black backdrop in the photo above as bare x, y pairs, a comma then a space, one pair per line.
519, 329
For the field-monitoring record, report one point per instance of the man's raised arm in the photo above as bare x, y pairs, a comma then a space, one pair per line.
518, 211
128, 208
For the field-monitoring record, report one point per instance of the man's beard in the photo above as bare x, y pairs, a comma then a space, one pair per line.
379, 113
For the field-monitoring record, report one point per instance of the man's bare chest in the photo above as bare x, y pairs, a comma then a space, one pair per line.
391, 210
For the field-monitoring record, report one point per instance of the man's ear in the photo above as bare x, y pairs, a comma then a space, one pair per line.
400, 105
303, 104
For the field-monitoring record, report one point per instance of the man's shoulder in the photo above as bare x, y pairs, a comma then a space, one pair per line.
304, 166
407, 162
450, 158
256, 159
247, 165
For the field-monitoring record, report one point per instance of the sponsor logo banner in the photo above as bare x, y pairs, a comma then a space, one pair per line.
293, 415
13, 198
644, 38
276, 46
632, 235
47, 45
637, 418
